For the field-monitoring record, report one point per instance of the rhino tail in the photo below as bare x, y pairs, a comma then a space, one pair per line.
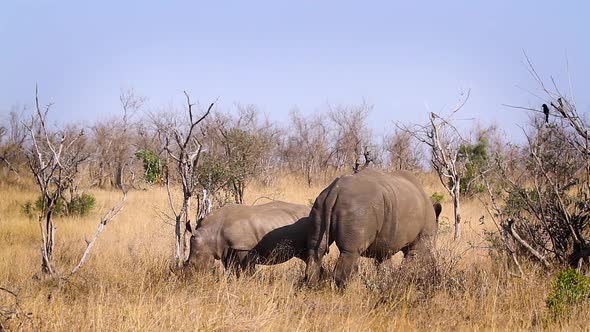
328, 207
437, 210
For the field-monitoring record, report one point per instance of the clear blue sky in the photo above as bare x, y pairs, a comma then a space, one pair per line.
398, 56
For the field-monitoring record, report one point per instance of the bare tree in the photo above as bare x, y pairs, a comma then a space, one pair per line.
444, 142
404, 151
54, 158
12, 139
114, 140
306, 147
183, 150
352, 137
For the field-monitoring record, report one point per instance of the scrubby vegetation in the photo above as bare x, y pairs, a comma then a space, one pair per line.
129, 285
514, 256
570, 288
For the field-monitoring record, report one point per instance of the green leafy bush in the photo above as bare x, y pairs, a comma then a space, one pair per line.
212, 173
27, 209
473, 157
569, 288
152, 166
437, 197
40, 206
79, 206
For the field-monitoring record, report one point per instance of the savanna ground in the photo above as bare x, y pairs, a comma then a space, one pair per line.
127, 283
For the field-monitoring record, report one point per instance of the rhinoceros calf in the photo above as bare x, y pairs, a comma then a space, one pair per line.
242, 236
371, 214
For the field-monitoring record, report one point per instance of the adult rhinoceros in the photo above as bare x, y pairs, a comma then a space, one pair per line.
242, 236
371, 214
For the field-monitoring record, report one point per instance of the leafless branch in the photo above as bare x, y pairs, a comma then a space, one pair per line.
527, 246
444, 141
183, 151
106, 218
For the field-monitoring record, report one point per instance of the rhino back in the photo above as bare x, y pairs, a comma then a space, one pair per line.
411, 210
246, 226
379, 211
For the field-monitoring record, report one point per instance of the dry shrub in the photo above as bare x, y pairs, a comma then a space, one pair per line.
129, 286
415, 282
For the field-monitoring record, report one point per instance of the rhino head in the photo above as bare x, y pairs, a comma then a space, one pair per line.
201, 255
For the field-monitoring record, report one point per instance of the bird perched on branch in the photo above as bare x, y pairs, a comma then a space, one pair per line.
546, 112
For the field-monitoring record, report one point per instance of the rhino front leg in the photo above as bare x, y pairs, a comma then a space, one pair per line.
345, 266
230, 261
247, 261
420, 251
237, 261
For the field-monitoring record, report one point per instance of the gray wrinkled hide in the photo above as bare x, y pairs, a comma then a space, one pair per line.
242, 236
371, 214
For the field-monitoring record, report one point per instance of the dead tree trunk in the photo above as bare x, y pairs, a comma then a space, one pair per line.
457, 209
108, 217
183, 149
444, 141
54, 158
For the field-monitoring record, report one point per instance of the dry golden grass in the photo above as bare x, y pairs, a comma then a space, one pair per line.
127, 284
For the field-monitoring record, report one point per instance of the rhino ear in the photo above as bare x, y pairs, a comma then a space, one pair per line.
190, 228
199, 221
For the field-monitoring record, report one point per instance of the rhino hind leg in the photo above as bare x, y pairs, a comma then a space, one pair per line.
247, 262
313, 268
420, 251
347, 264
